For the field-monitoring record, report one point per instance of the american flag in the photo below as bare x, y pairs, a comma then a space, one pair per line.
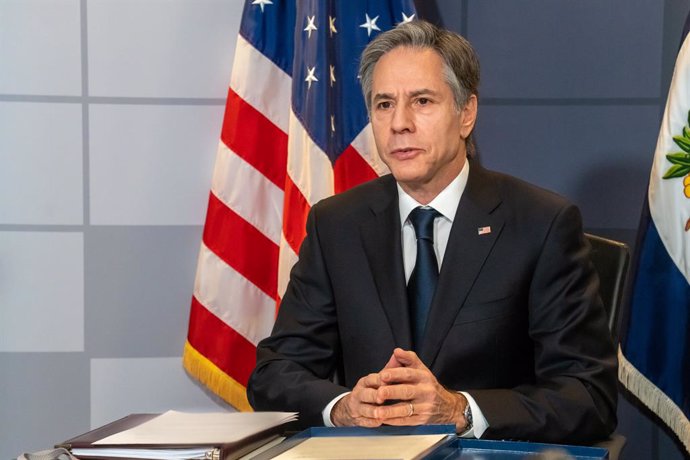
295, 131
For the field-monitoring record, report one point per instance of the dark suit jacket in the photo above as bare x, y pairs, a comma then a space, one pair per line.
516, 319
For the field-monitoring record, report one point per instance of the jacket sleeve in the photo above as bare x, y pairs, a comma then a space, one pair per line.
296, 364
573, 398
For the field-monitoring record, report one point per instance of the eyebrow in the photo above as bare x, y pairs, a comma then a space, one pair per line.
413, 94
423, 92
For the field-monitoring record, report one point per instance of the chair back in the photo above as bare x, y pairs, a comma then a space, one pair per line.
611, 260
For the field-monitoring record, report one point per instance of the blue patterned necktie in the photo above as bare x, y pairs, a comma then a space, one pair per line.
422, 283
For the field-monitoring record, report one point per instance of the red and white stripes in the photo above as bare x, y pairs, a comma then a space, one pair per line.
268, 174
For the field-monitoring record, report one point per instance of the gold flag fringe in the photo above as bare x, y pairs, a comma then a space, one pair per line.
654, 399
215, 379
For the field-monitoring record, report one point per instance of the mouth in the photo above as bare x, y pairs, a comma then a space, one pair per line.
403, 153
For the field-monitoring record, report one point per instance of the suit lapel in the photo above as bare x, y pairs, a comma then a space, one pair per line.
382, 244
465, 254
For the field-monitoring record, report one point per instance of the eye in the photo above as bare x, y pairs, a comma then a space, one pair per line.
423, 101
384, 105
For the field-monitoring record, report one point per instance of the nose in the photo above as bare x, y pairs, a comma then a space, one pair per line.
402, 119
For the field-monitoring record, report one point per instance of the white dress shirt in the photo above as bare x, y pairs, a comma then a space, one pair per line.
446, 203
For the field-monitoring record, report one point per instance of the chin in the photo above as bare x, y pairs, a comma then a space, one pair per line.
406, 174
409, 180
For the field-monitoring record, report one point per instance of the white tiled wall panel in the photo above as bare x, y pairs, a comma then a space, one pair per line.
161, 48
41, 163
44, 399
152, 165
41, 291
40, 47
122, 386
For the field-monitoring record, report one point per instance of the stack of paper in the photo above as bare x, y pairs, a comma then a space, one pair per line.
408, 447
178, 435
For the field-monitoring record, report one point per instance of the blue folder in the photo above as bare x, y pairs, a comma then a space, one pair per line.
453, 447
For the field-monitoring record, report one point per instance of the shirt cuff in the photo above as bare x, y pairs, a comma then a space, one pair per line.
326, 413
479, 423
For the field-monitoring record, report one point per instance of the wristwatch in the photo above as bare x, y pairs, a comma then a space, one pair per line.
467, 413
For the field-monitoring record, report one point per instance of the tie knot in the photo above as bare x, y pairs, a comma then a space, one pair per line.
423, 222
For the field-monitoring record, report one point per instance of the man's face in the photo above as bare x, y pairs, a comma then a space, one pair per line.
419, 133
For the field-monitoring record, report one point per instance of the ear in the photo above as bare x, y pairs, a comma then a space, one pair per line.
468, 116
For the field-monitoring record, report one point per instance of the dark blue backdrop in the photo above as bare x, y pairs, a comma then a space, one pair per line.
571, 99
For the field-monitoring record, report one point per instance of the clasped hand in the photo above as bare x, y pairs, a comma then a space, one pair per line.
404, 392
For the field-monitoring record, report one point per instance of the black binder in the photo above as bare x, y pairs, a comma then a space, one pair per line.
84, 443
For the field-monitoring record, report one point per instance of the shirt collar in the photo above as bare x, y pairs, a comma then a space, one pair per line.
445, 202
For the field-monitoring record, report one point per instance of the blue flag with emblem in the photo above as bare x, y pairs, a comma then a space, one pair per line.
655, 347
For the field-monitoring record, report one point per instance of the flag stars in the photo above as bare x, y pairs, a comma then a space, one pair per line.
331, 25
262, 3
370, 24
407, 18
332, 67
332, 124
310, 76
310, 25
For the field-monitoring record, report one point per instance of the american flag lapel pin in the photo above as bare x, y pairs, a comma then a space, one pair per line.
483, 230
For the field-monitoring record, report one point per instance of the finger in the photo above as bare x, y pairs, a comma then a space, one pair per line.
400, 375
360, 403
365, 395
370, 381
367, 422
408, 358
399, 410
399, 392
366, 411
405, 421
350, 412
392, 362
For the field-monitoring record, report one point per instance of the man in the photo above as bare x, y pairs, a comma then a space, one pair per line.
508, 340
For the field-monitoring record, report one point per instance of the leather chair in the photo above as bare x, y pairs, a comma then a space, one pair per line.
611, 260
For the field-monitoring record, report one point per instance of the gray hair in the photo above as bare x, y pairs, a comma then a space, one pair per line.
460, 62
